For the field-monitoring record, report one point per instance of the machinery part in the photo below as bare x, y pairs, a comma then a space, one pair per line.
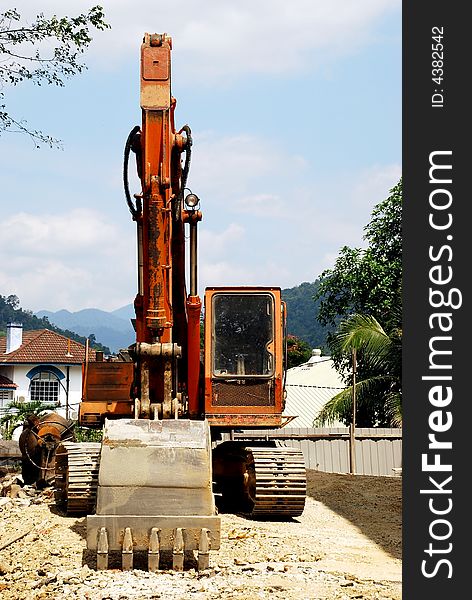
131, 534
260, 481
167, 504
76, 477
277, 481
243, 357
132, 143
38, 443
155, 481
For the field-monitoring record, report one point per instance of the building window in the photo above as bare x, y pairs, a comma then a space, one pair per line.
6, 396
44, 387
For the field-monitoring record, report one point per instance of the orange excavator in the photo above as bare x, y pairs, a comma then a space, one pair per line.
167, 406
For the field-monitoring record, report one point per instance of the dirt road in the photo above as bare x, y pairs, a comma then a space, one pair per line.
347, 544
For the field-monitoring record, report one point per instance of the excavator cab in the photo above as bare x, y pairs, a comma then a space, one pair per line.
244, 342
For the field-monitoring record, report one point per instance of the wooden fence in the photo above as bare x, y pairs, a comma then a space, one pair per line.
378, 451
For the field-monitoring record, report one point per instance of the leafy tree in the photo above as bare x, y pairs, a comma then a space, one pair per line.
378, 386
17, 413
364, 289
298, 351
13, 301
368, 281
44, 51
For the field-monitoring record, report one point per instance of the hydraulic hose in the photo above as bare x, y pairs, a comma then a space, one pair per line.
188, 155
131, 144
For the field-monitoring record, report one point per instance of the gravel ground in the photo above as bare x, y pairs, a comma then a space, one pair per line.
347, 544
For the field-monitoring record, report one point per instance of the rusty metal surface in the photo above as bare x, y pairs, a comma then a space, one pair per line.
108, 381
92, 414
141, 527
155, 74
38, 442
251, 400
261, 481
232, 419
156, 63
250, 393
106, 392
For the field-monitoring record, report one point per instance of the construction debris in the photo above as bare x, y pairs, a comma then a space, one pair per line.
347, 544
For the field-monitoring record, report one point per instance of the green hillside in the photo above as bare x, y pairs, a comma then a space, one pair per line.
302, 311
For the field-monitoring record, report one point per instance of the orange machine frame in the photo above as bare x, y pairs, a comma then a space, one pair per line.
167, 318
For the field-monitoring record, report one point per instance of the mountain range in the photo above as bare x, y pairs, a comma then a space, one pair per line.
114, 329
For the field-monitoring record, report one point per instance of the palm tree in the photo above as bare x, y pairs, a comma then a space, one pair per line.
18, 411
378, 389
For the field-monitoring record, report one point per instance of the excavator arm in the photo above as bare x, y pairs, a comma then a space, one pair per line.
163, 327
166, 354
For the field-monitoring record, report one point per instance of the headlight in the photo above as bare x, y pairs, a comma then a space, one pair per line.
191, 200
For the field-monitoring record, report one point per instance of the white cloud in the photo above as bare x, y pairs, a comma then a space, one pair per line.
318, 220
212, 243
223, 273
262, 205
232, 273
74, 260
78, 231
335, 211
221, 39
375, 183
225, 167
82, 258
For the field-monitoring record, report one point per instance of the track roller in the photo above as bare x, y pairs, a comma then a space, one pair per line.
260, 481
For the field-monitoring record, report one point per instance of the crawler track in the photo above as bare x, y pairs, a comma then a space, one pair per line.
277, 481
260, 481
76, 477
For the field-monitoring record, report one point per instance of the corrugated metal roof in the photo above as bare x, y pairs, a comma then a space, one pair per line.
309, 386
317, 371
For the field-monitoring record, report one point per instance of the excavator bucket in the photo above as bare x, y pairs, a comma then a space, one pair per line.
154, 492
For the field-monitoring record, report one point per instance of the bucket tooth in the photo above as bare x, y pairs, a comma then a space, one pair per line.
178, 550
153, 551
204, 550
102, 549
127, 551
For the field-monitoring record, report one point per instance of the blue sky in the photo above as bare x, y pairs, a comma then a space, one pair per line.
295, 110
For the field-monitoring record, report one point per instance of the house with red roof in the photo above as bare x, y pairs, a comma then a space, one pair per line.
41, 365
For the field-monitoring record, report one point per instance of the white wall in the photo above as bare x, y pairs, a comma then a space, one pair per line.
75, 386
